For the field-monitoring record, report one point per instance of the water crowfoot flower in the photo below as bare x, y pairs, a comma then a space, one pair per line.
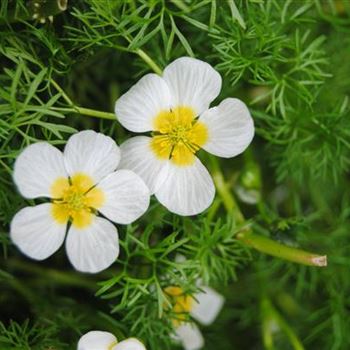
203, 307
81, 182
98, 340
175, 108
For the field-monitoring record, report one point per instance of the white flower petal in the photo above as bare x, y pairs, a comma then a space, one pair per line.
96, 340
192, 83
188, 190
230, 128
129, 344
92, 153
190, 336
36, 169
208, 305
137, 108
126, 197
34, 231
137, 155
93, 248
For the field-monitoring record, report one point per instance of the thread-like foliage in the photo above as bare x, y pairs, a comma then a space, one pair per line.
62, 71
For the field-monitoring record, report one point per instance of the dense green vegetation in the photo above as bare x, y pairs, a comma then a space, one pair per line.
62, 71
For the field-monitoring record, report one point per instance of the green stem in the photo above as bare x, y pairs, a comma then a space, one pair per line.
49, 275
149, 61
225, 193
95, 113
270, 247
23, 289
153, 65
258, 242
8, 169
270, 319
87, 111
213, 209
181, 5
62, 92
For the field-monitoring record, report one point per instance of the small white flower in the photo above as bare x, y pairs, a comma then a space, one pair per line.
81, 182
175, 108
98, 340
203, 307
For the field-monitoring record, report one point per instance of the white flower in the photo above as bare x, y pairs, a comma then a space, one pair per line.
98, 340
175, 108
81, 182
203, 307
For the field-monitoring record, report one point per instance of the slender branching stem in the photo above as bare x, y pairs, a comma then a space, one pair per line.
181, 5
60, 277
263, 244
80, 110
225, 193
62, 92
95, 113
271, 247
153, 65
92, 112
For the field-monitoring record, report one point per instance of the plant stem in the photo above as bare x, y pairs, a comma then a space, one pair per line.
263, 244
92, 112
270, 319
62, 92
213, 209
60, 277
81, 110
225, 193
8, 169
149, 61
181, 5
95, 113
87, 111
271, 247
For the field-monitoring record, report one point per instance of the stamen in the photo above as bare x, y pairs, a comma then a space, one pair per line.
75, 199
178, 136
182, 304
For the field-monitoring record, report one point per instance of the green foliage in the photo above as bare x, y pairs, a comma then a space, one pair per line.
288, 60
274, 54
25, 336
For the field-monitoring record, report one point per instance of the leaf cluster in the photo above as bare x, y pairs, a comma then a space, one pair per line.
287, 61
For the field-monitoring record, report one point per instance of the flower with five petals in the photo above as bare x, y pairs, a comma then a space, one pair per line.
81, 183
175, 109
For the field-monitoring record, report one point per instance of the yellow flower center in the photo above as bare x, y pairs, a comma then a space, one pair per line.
182, 304
178, 135
75, 199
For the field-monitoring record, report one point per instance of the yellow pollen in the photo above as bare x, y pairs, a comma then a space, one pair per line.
178, 135
75, 200
182, 304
